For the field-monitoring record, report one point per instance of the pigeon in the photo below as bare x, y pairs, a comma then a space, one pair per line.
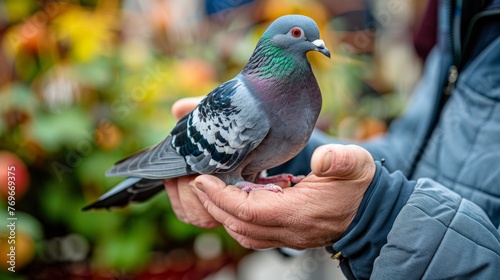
258, 120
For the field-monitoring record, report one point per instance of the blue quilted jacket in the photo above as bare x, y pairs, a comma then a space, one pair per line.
433, 208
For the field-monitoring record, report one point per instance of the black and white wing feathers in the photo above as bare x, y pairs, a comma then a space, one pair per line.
222, 130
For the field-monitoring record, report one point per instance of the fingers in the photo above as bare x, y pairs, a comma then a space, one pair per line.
194, 212
173, 194
249, 235
254, 243
192, 205
300, 218
226, 202
183, 106
186, 204
341, 162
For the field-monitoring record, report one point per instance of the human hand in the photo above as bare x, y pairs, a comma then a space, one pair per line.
181, 192
315, 212
185, 105
186, 204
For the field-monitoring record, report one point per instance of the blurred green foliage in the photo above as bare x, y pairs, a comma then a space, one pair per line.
85, 83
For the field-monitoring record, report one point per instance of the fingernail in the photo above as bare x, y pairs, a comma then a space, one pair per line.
232, 227
327, 162
200, 187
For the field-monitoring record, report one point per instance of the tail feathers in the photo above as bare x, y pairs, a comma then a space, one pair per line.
158, 162
132, 189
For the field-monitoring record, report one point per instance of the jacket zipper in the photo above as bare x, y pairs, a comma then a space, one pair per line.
453, 70
473, 22
452, 79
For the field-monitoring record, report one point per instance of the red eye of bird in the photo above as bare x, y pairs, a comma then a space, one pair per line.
296, 32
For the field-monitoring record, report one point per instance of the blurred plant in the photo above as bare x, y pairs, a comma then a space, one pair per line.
86, 84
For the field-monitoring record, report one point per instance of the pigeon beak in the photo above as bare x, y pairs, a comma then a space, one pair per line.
320, 47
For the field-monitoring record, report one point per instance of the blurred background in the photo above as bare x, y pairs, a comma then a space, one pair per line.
85, 83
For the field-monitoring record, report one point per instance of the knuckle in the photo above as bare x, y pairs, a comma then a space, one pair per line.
294, 218
245, 213
239, 228
248, 243
204, 223
302, 243
185, 220
209, 207
245, 242
298, 242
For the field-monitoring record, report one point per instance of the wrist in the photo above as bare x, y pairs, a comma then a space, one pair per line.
367, 233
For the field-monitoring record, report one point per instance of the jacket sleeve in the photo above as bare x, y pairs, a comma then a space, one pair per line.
406, 229
439, 235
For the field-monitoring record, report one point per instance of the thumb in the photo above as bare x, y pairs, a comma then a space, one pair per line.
341, 161
209, 184
185, 105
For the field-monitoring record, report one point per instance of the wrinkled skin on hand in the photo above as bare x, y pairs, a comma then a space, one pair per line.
315, 212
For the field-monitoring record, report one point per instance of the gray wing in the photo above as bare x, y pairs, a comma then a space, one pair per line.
215, 137
130, 190
158, 162
222, 129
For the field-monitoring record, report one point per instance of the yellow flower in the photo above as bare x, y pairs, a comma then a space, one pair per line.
89, 33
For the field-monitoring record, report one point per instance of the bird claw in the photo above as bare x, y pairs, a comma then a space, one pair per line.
281, 178
270, 183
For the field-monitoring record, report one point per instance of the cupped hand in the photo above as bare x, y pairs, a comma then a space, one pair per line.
186, 204
315, 212
185, 105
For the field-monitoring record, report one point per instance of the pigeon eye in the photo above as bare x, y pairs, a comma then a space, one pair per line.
296, 32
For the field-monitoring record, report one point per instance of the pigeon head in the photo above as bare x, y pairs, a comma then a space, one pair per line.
296, 34
281, 51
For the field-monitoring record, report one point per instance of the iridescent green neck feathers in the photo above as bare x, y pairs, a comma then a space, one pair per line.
270, 61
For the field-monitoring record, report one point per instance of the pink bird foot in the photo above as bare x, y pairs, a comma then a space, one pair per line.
280, 178
269, 183
248, 187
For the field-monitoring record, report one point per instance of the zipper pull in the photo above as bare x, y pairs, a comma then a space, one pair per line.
452, 79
